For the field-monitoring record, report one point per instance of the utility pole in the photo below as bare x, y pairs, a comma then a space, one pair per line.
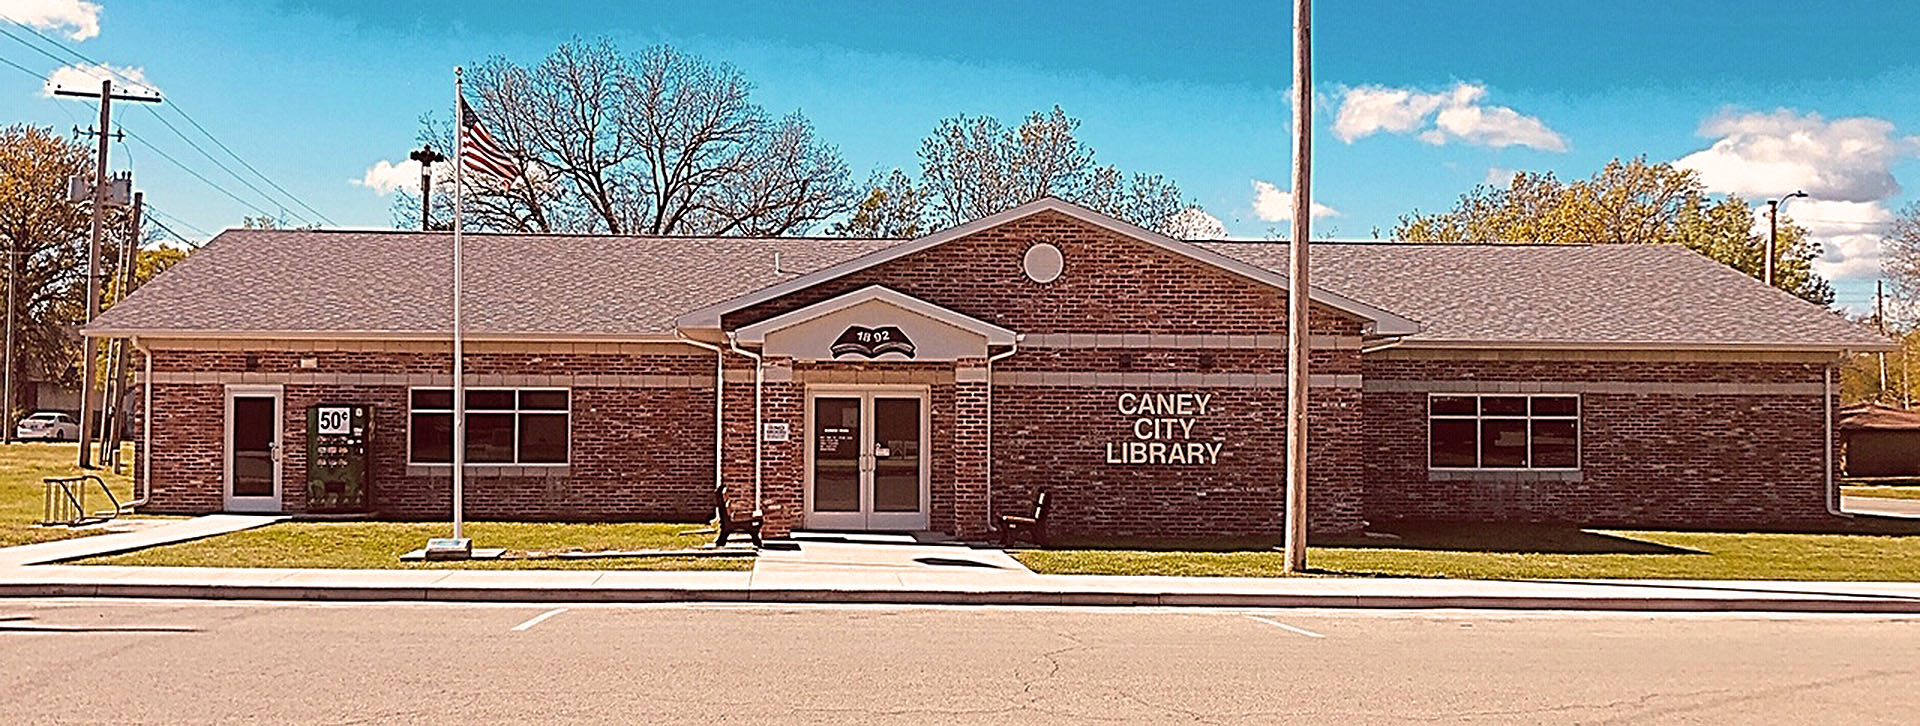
113, 414
1880, 321
1298, 293
90, 348
6, 378
427, 158
1773, 231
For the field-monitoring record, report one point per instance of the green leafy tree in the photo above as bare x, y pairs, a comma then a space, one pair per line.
1627, 202
45, 240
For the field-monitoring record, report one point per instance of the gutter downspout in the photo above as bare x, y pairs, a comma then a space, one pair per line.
758, 372
1826, 407
146, 427
990, 359
719, 404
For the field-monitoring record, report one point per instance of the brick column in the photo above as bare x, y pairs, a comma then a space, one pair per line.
970, 450
782, 475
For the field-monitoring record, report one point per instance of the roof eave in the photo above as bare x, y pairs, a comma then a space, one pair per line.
1732, 346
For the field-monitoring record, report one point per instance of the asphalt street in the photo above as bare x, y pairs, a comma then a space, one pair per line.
97, 661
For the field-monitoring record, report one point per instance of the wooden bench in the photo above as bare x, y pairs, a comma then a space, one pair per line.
1034, 526
732, 522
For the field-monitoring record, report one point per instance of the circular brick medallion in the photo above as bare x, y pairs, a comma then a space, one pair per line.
1043, 263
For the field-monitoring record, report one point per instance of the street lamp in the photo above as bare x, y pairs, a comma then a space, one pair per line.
427, 158
1773, 229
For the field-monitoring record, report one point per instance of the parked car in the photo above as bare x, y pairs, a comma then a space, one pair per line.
48, 426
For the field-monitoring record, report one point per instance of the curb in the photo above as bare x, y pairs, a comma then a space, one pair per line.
1838, 604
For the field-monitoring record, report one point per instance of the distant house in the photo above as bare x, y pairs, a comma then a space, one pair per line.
929, 384
1880, 441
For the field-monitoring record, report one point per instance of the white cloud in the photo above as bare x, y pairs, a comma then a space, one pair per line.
1844, 165
1498, 176
1271, 204
1764, 155
386, 177
1457, 114
1849, 234
79, 19
87, 77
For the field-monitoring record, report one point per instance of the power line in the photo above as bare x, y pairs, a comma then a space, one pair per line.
197, 175
175, 106
216, 162
243, 162
177, 220
21, 68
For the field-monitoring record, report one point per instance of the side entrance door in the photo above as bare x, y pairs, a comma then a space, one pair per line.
867, 460
253, 448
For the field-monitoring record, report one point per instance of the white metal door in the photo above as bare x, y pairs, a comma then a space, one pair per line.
254, 427
867, 460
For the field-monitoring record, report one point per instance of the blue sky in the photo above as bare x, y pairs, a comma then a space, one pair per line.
1419, 101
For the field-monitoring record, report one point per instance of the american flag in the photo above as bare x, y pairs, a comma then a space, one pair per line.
479, 152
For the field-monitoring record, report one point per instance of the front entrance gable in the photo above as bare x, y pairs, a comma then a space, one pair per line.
1118, 278
874, 323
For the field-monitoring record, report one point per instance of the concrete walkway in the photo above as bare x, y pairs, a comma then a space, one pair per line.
854, 571
1881, 506
134, 539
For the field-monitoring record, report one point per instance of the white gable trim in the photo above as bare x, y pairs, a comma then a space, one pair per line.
756, 333
1385, 323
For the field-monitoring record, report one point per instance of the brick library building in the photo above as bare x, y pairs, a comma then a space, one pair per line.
933, 384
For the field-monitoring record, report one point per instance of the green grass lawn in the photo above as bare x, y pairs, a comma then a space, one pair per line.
1887, 492
22, 466
1531, 552
378, 545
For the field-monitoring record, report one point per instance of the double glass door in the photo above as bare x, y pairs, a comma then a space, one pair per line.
868, 461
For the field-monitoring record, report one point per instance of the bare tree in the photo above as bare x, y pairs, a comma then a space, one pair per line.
971, 167
659, 143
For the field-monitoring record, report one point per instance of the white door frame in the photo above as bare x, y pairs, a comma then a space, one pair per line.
866, 518
274, 502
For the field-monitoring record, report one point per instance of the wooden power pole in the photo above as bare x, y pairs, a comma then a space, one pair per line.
1299, 337
90, 349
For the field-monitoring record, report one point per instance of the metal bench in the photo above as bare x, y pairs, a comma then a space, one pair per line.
1033, 526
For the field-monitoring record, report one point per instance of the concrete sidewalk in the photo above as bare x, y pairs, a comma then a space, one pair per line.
968, 584
136, 539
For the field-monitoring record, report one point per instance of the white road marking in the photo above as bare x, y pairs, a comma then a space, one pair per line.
1284, 626
537, 619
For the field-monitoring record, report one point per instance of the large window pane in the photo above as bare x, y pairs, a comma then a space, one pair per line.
490, 438
1454, 405
432, 438
1503, 443
1556, 444
1452, 443
543, 438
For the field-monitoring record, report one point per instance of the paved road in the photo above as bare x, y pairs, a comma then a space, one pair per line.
187, 662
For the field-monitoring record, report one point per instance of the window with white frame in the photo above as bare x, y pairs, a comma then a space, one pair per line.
504, 426
1503, 432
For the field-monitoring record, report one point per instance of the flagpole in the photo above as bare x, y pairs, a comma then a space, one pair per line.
459, 376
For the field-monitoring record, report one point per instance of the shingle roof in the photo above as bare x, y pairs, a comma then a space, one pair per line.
1619, 294
326, 282
251, 281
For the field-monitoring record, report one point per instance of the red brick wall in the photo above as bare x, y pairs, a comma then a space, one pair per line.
1647, 459
637, 453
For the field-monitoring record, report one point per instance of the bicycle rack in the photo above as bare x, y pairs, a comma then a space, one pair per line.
65, 500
